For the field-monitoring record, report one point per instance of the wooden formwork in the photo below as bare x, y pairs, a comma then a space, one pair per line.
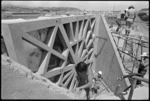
75, 39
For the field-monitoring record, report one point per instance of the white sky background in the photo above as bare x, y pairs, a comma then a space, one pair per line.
87, 5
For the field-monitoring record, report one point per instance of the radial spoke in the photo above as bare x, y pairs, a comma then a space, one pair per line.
66, 76
85, 29
75, 85
83, 53
44, 64
72, 32
81, 30
61, 76
53, 72
90, 43
92, 26
91, 50
89, 61
58, 54
85, 57
68, 80
52, 39
80, 49
73, 82
87, 37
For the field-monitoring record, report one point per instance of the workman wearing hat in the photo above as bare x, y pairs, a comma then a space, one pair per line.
121, 17
144, 64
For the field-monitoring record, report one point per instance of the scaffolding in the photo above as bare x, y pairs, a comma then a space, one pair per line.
132, 47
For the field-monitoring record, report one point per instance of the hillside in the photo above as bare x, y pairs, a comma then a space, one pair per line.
144, 14
145, 9
10, 8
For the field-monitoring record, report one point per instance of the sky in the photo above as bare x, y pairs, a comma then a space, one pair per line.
87, 5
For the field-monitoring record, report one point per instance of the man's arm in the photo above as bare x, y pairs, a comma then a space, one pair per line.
89, 84
145, 63
85, 86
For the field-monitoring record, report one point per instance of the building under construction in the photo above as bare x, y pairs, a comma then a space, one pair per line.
47, 49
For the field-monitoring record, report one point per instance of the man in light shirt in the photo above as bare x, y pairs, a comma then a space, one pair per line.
131, 15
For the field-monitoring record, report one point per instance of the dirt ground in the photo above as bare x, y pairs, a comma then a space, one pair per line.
15, 85
143, 25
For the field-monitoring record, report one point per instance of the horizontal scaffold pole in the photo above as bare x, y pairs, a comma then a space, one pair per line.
123, 37
141, 79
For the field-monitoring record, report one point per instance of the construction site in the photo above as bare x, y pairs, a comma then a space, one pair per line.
39, 56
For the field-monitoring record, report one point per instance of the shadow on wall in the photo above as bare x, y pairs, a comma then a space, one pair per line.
33, 53
3, 47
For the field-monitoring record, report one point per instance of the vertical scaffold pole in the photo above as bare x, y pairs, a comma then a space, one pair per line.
136, 55
124, 47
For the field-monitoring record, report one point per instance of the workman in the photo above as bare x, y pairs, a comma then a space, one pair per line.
84, 78
131, 15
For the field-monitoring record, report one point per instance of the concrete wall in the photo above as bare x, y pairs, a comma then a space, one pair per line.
107, 59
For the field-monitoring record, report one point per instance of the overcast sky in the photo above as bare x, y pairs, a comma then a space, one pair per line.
87, 5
